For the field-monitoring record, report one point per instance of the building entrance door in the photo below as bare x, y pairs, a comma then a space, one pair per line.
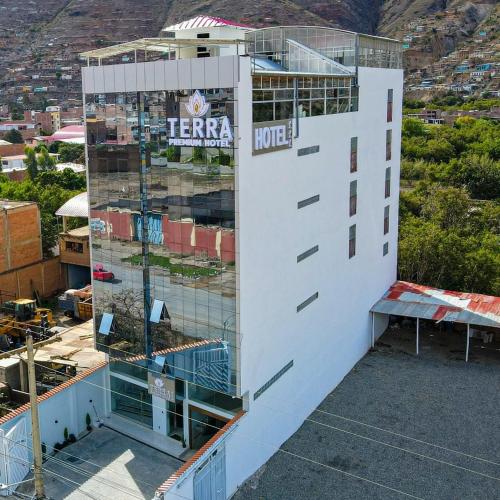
210, 478
202, 426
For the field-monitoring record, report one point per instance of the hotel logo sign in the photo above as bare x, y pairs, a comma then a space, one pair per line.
271, 136
162, 387
199, 130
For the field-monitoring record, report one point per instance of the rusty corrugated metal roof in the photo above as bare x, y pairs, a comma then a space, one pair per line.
420, 301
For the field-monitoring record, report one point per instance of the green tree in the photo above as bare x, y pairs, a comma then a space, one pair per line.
31, 162
67, 179
482, 265
480, 175
438, 151
446, 207
71, 153
413, 127
13, 136
45, 161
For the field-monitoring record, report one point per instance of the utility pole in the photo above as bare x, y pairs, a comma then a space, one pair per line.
35, 424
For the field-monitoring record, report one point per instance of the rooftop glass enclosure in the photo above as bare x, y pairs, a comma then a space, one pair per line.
313, 49
285, 48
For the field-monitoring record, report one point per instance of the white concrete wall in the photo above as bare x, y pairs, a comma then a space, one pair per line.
328, 337
68, 408
207, 72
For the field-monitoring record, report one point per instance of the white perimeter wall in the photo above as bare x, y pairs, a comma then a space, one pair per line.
69, 408
328, 337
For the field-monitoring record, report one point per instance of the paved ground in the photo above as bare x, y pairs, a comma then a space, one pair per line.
125, 469
435, 397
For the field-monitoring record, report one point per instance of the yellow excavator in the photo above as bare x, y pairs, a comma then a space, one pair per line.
20, 314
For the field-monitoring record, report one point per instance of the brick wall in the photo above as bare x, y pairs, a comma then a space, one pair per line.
46, 277
12, 150
20, 238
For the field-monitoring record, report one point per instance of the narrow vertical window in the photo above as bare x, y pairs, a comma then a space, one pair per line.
353, 198
354, 154
352, 241
390, 98
385, 249
388, 144
388, 182
386, 219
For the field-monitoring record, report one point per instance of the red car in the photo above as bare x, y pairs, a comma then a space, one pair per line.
100, 274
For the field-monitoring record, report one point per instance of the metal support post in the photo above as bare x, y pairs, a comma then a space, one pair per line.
35, 424
418, 332
373, 330
467, 345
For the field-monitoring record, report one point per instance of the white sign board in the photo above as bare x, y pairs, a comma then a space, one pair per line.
162, 387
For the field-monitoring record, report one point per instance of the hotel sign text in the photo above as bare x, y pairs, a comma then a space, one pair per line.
271, 136
199, 130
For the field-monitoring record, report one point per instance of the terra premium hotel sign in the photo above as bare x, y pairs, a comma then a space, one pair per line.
271, 136
198, 130
161, 386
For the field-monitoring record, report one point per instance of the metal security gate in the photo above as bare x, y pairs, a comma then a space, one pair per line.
211, 368
210, 478
14, 458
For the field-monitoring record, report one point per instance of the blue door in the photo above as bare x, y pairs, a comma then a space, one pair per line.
210, 478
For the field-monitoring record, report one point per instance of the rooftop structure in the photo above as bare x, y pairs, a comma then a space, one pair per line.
78, 206
205, 22
425, 302
293, 48
71, 133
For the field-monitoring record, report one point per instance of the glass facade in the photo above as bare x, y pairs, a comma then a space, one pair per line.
344, 47
282, 97
163, 227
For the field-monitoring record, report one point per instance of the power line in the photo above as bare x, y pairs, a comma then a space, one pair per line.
318, 423
78, 470
340, 430
272, 446
408, 437
350, 474
301, 457
334, 428
345, 431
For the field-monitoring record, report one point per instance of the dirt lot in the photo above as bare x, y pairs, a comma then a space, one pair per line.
398, 426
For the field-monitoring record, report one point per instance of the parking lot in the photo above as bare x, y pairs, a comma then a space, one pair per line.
105, 465
398, 426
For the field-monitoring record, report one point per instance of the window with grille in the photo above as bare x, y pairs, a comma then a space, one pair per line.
354, 154
352, 241
353, 198
390, 98
388, 182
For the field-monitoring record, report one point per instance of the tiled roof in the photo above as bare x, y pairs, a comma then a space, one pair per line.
420, 301
179, 472
181, 348
204, 22
53, 392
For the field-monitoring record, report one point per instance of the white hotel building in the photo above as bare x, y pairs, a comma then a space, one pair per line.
243, 189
